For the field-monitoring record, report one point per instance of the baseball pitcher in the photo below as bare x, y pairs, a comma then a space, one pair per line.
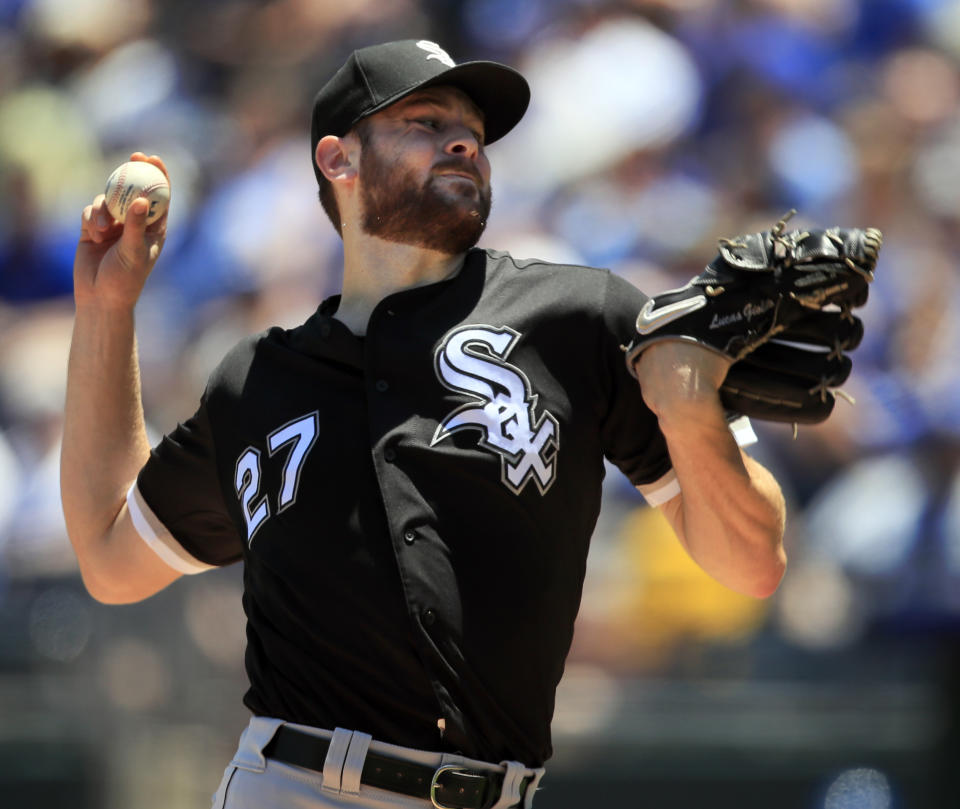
411, 477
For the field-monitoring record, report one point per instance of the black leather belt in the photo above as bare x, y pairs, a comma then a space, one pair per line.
449, 786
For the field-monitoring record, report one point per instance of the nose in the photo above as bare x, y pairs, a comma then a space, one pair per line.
463, 143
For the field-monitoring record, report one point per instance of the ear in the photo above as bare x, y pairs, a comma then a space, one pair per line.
335, 159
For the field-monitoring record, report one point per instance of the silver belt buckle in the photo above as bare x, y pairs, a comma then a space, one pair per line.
433, 782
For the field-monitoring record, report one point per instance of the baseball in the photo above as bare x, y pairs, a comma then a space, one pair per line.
133, 180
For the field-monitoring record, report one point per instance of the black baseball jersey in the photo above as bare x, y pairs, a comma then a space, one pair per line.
414, 508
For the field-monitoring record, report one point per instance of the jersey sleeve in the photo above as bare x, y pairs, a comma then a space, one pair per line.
177, 505
630, 435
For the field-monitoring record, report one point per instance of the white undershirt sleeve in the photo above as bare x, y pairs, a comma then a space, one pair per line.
160, 540
667, 487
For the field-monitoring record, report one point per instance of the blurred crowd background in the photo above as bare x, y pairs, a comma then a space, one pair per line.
656, 126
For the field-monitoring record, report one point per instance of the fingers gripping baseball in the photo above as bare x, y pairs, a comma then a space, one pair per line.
114, 259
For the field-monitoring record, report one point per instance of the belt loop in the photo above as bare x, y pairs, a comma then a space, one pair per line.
510, 791
532, 787
333, 765
353, 764
255, 737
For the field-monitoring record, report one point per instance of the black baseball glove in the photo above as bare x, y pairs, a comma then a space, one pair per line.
779, 304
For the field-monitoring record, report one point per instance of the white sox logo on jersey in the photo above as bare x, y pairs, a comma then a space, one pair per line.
472, 360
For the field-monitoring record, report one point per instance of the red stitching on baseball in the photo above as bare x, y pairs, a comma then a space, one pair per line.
118, 186
150, 188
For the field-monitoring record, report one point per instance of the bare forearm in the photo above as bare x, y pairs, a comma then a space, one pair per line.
104, 440
731, 513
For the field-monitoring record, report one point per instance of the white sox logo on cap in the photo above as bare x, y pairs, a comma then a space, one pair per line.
472, 360
436, 52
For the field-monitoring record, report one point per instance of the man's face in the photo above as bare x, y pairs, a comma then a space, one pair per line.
424, 177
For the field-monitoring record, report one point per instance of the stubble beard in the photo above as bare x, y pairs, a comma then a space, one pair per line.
397, 209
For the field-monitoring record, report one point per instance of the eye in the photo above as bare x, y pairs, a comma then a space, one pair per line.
429, 123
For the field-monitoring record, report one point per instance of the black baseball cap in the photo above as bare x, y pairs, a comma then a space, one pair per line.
375, 77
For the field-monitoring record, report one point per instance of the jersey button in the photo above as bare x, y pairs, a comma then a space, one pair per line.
409, 537
429, 617
389, 455
381, 385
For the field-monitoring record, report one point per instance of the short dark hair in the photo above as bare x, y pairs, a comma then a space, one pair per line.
327, 198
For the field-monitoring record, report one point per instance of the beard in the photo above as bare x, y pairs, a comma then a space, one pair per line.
397, 209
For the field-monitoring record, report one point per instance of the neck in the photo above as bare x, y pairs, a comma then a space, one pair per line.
374, 268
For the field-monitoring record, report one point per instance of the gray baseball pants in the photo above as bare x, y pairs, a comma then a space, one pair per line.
252, 781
